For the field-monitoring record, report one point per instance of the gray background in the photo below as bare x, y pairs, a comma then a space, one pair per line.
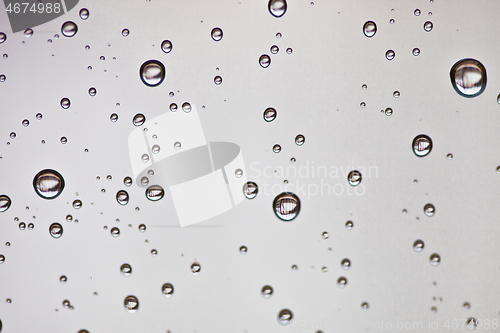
317, 92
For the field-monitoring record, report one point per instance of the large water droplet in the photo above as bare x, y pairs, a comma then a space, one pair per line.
56, 230
84, 13
195, 268
422, 145
139, 119
277, 8
69, 29
122, 197
286, 206
131, 304
217, 34
48, 184
166, 46
126, 269
267, 291
155, 193
435, 259
354, 178
285, 317
418, 245
270, 114
429, 210
152, 73
250, 190
468, 77
370, 29
167, 290
264, 61
5, 203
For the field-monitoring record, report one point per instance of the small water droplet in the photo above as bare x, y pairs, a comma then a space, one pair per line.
131, 304
125, 32
285, 317
63, 279
142, 227
365, 306
243, 249
84, 13
217, 80
155, 193
391, 21
144, 181
354, 178
325, 235
417, 12
435, 259
173, 107
369, 29
77, 204
471, 324
167, 290
390, 54
69, 29
65, 103
155, 149
264, 61
286, 206
466, 306
342, 282
422, 145
349, 225
122, 197
48, 184
267, 291
113, 117
274, 49
56, 230
139, 119
300, 140
278, 35
217, 34
250, 190
145, 158
3, 37
270, 114
177, 145
152, 73
276, 148
28, 32
26, 122
364, 87
396, 94
115, 232
69, 218
195, 268
345, 264
428, 26
5, 203
166, 46
22, 226
416, 51
289, 50
418, 245
468, 77
388, 112
449, 156
2, 78
31, 226
186, 107
429, 210
362, 104
277, 8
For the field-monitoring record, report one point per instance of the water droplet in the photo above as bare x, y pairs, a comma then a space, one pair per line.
115, 232
48, 184
289, 50
270, 114
155, 193
362, 104
349, 225
113, 117
3, 37
285, 317
391, 21
217, 34
186, 107
125, 32
195, 268
142, 227
417, 12
69, 29
418, 245
63, 279
276, 148
466, 306
390, 54
345, 264
155, 149
65, 103
274, 49
166, 46
173, 107
286, 206
5, 203
238, 173
22, 226
428, 26
177, 145
364, 87
131, 304
152, 73
122, 197
325, 235
354, 178
429, 210
299, 140
28, 33
84, 13
56, 230
69, 218
267, 291
370, 29
2, 258
77, 204
365, 306
139, 119
277, 8
416, 51
435, 259
422, 145
342, 282
388, 112
2, 78
217, 80
167, 290
31, 226
468, 77
396, 94
26, 122
144, 181
250, 190
264, 61
471, 323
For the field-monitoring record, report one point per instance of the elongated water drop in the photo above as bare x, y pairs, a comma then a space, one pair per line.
155, 193
369, 29
277, 8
